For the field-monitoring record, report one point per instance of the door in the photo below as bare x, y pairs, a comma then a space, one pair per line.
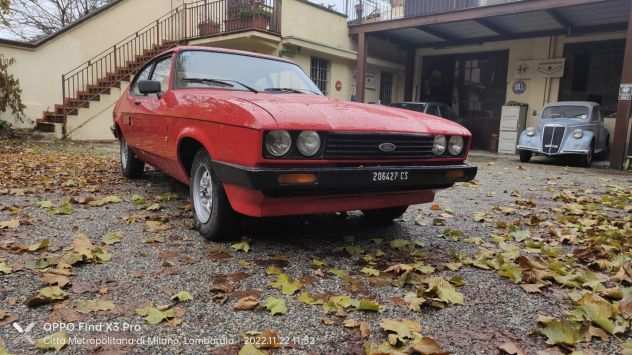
150, 123
130, 129
386, 88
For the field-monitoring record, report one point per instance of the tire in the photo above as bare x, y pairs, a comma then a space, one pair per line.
525, 156
605, 153
384, 216
131, 166
587, 160
213, 216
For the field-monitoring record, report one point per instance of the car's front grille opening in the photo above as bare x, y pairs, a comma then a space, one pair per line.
341, 146
552, 138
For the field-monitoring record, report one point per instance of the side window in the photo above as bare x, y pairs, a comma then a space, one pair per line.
161, 73
144, 75
596, 115
433, 110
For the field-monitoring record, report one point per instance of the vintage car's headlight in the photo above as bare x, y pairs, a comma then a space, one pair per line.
278, 143
530, 131
308, 143
439, 146
455, 145
578, 133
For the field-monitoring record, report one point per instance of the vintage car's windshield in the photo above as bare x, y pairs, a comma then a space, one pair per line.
565, 111
201, 69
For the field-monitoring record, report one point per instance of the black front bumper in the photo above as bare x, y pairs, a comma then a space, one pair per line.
345, 180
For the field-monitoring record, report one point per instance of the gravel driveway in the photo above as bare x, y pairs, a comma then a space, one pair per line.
120, 250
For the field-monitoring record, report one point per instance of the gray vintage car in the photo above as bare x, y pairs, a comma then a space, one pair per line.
566, 128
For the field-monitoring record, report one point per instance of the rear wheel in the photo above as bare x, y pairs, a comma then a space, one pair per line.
384, 215
131, 167
213, 216
525, 156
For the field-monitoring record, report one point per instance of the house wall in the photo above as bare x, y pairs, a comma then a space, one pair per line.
539, 91
39, 70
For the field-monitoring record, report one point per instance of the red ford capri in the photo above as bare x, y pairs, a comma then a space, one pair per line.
252, 135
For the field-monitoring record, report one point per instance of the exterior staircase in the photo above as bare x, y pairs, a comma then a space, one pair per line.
109, 69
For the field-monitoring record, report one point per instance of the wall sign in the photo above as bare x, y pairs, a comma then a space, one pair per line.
338, 85
519, 87
540, 68
371, 81
625, 92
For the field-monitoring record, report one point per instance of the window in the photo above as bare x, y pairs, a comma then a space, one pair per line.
320, 73
565, 112
144, 75
433, 110
161, 73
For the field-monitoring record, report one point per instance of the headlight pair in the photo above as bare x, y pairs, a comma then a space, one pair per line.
454, 145
279, 143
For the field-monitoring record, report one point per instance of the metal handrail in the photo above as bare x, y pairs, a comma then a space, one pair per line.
191, 20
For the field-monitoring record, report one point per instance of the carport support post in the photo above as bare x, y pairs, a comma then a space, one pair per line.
361, 67
617, 155
411, 54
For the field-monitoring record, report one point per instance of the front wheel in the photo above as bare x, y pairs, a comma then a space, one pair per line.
131, 166
213, 216
587, 160
384, 215
525, 156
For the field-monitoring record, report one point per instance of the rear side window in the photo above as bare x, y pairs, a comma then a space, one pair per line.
144, 75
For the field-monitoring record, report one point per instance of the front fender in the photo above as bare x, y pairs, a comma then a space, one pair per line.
530, 143
574, 145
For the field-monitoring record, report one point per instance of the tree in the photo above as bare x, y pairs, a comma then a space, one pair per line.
10, 91
33, 19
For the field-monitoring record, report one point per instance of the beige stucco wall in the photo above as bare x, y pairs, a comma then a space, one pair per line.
39, 70
539, 91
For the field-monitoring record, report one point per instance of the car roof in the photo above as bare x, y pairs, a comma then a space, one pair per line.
588, 104
179, 49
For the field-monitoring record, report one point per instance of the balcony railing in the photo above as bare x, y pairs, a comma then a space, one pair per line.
365, 11
192, 20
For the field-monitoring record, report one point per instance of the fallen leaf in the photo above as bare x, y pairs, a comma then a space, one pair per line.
246, 303
511, 348
90, 306
561, 332
47, 295
182, 296
112, 238
286, 284
276, 305
241, 246
10, 224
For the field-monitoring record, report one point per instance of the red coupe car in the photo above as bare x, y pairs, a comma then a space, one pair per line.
253, 135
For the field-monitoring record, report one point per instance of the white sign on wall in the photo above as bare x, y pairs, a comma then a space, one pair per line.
625, 92
540, 68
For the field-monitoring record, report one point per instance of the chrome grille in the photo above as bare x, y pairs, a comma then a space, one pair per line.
552, 138
367, 146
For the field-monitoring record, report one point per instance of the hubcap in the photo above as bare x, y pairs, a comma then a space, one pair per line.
203, 194
124, 153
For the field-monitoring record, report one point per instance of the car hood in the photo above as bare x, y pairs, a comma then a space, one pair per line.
566, 122
294, 111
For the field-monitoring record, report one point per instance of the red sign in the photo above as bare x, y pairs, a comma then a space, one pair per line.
338, 85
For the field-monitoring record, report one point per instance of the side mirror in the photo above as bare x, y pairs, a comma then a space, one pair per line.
147, 87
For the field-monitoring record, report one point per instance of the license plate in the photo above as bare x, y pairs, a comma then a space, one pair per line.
389, 176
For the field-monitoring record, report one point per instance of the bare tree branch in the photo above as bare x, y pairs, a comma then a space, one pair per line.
33, 19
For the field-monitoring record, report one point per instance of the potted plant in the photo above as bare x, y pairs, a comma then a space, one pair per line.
207, 28
252, 15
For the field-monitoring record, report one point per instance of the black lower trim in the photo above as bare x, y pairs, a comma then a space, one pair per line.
345, 180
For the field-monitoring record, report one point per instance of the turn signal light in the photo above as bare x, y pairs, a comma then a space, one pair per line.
455, 174
297, 179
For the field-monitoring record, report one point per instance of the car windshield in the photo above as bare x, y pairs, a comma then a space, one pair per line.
201, 69
565, 112
411, 106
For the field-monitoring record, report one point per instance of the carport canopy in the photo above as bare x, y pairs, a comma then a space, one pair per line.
507, 21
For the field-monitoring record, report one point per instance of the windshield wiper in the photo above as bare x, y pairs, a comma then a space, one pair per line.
292, 90
222, 82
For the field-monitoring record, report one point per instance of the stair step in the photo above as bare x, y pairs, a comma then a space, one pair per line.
78, 103
54, 117
44, 126
66, 110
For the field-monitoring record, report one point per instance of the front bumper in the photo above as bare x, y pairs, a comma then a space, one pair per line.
344, 180
561, 152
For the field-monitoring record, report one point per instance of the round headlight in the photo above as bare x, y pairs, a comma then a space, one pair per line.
439, 146
278, 143
455, 145
308, 143
578, 133
530, 131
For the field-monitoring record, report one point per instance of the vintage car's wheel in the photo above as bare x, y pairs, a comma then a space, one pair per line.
214, 217
384, 215
586, 160
525, 156
131, 166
